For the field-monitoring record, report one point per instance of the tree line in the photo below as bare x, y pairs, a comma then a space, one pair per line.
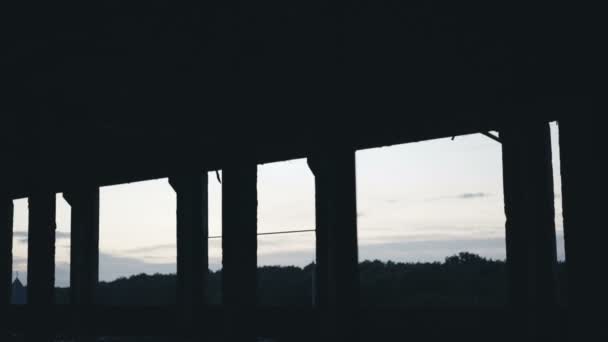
464, 279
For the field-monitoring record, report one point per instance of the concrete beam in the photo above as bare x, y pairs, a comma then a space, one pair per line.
41, 264
239, 244
192, 249
530, 230
337, 249
109, 158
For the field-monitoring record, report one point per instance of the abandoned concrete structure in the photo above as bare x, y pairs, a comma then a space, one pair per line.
110, 92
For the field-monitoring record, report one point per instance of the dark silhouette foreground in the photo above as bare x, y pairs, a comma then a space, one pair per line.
463, 280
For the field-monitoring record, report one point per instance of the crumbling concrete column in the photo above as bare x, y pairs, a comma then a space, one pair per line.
6, 260
192, 250
239, 244
337, 249
41, 265
530, 230
84, 258
583, 172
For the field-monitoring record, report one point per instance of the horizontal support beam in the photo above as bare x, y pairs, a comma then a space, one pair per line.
157, 158
468, 323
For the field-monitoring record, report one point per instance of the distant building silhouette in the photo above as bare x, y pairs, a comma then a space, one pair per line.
18, 292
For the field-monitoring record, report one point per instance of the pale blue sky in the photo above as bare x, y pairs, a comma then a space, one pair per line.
416, 202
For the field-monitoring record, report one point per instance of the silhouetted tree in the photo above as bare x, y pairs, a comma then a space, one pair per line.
464, 279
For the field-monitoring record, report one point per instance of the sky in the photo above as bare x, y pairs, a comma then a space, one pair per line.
416, 202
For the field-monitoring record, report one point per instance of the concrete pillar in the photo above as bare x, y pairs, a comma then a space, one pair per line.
321, 250
239, 244
6, 260
583, 197
530, 230
41, 265
192, 250
84, 257
337, 250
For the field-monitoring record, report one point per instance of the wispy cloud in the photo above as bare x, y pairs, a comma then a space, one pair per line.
19, 260
23, 235
62, 235
471, 195
148, 249
113, 266
462, 196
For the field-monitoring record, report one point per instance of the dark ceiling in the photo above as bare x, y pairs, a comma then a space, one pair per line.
110, 91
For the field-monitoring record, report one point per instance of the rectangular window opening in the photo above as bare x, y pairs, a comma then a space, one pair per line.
137, 242
286, 237
431, 224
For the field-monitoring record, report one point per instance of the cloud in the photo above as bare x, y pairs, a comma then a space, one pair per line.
148, 249
62, 235
19, 261
471, 195
112, 266
437, 250
432, 250
22, 236
19, 233
287, 258
149, 259
462, 196
378, 235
